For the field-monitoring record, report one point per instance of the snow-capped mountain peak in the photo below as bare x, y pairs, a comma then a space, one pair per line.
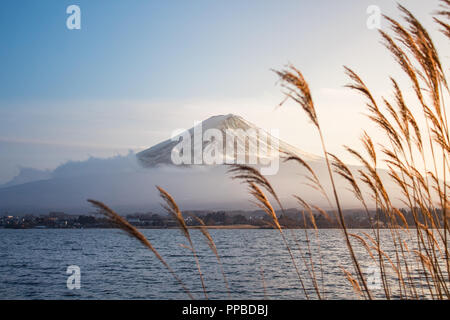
227, 137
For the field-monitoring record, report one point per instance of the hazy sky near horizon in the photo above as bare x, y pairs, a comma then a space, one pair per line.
137, 70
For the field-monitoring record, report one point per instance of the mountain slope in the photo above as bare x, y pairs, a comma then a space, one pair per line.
127, 183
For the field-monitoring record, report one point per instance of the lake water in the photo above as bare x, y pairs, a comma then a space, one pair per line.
33, 264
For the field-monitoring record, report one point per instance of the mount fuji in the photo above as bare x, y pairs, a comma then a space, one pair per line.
127, 183
224, 126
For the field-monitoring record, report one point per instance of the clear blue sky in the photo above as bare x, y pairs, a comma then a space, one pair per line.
139, 69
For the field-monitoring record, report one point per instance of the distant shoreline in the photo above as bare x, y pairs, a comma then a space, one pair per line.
224, 227
237, 226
